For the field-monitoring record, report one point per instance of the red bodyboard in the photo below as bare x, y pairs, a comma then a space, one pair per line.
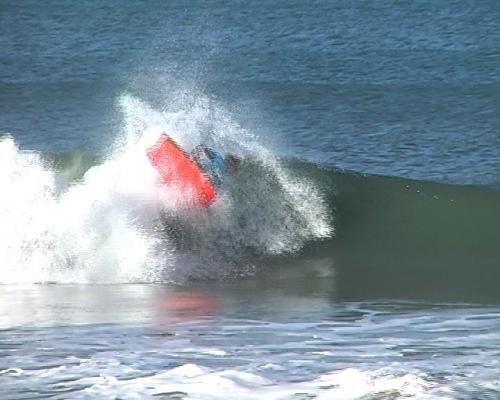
177, 168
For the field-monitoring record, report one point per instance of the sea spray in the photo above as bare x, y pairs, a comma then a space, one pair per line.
119, 223
264, 196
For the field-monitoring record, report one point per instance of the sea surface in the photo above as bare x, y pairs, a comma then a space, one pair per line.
354, 255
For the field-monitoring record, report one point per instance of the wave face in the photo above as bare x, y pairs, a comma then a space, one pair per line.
117, 223
404, 238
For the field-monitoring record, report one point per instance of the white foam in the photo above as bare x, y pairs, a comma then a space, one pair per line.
107, 226
196, 382
91, 232
353, 383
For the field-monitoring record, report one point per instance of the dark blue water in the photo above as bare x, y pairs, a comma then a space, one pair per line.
386, 87
319, 280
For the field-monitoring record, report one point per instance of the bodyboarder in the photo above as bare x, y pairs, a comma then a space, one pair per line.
197, 176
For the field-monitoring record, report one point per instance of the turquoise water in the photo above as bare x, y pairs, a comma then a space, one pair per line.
355, 254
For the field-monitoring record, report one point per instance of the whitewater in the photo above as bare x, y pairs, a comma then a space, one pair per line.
118, 222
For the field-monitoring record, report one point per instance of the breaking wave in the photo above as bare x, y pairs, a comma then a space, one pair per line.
115, 222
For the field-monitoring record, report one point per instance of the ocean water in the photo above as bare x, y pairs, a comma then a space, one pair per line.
355, 254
